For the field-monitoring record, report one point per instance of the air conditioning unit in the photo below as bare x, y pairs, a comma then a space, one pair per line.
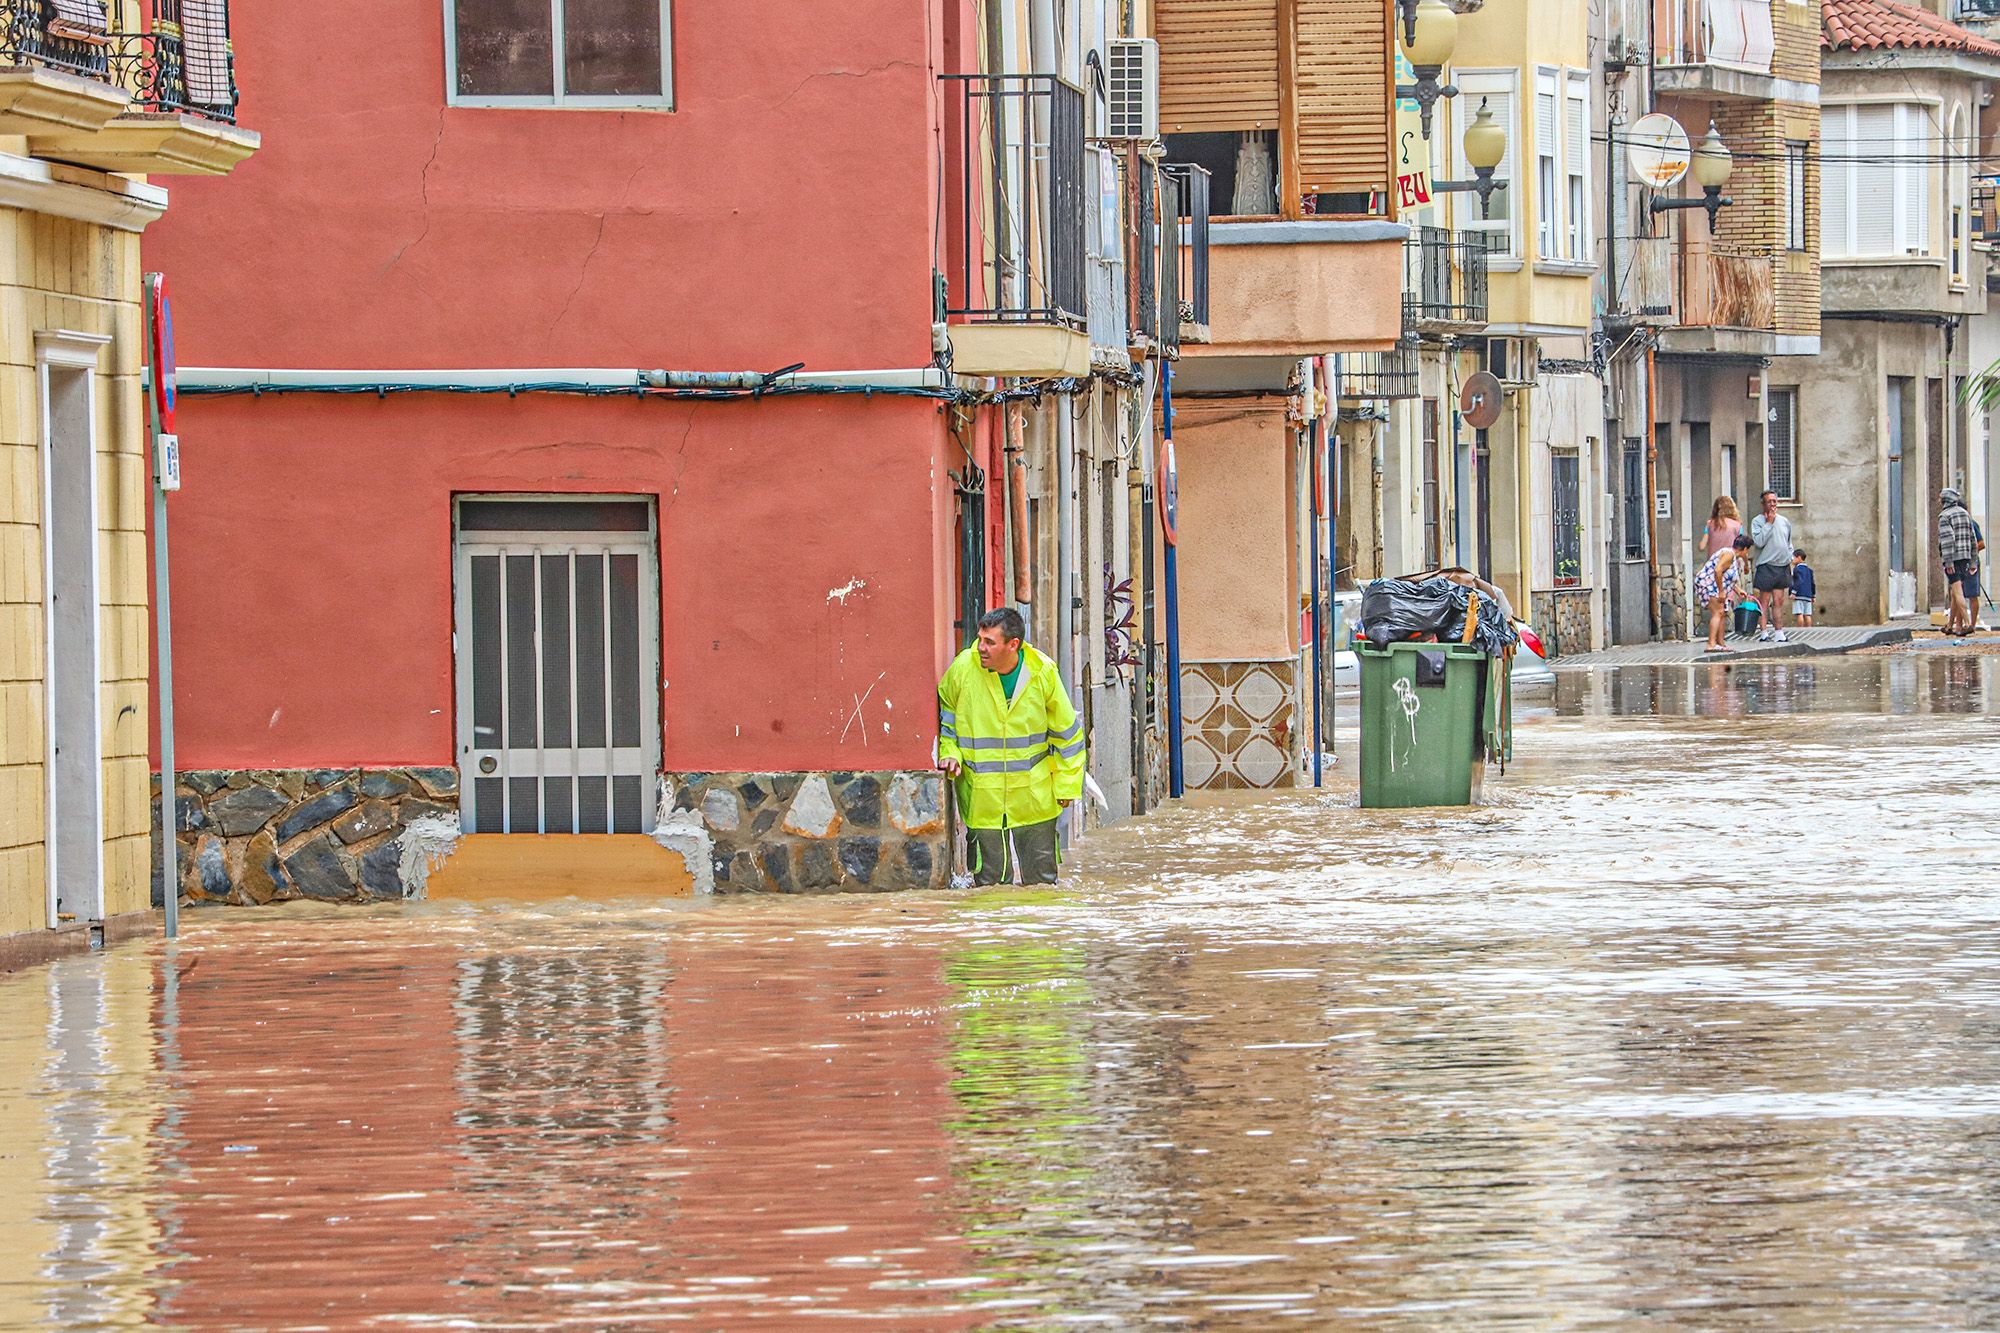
1512, 360
1132, 83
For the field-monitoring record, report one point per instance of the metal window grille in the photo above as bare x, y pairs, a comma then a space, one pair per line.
1781, 444
1433, 498
1027, 264
1636, 502
1566, 517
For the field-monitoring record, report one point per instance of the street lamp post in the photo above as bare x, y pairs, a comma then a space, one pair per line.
1428, 39
1485, 146
1710, 168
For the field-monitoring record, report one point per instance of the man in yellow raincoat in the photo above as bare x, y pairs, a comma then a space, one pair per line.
1010, 737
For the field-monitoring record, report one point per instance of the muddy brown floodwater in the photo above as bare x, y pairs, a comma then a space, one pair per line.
1696, 1025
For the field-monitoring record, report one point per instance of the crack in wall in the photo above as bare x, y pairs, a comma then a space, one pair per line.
581, 273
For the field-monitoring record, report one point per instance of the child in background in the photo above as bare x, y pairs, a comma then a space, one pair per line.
1802, 589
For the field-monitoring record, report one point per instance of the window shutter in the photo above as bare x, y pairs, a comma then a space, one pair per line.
1546, 120
1343, 95
1218, 65
1576, 162
1836, 181
1576, 131
1874, 180
1913, 189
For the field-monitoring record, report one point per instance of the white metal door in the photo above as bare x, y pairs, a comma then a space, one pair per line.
558, 648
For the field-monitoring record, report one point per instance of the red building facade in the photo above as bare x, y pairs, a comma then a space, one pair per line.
450, 549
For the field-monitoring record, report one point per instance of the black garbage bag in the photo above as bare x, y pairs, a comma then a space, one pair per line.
1393, 609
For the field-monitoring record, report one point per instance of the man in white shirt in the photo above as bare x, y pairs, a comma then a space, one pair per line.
1771, 532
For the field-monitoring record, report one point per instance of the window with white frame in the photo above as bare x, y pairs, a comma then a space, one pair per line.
1875, 180
1576, 161
1548, 219
580, 53
1795, 195
1781, 444
1498, 92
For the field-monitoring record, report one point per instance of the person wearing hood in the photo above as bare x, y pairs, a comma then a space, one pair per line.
1958, 551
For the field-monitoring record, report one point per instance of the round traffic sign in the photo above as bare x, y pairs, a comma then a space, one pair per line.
165, 387
1658, 148
1169, 492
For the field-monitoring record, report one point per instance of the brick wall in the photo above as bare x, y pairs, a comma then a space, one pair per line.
1795, 47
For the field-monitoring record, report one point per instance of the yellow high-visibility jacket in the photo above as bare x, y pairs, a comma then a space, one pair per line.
1018, 760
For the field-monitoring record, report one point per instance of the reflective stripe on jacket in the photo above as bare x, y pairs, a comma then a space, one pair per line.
1018, 760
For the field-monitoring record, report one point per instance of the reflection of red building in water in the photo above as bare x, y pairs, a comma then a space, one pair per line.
704, 1128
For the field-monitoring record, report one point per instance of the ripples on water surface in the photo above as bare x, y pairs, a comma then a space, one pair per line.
1694, 1026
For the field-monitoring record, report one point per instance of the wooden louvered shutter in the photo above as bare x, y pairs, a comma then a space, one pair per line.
1343, 95
1218, 64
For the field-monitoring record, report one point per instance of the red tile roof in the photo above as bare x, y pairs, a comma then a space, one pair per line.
1867, 25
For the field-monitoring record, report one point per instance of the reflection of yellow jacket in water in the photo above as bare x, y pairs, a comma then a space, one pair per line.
1020, 759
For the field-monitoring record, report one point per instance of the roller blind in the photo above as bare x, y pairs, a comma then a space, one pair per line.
1874, 179
1218, 65
1836, 235
1343, 95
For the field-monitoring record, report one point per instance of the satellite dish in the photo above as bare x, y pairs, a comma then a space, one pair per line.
1480, 400
1658, 149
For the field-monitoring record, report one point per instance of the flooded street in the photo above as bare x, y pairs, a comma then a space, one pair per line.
1696, 1024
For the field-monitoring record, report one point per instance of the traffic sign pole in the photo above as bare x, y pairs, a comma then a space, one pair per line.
160, 407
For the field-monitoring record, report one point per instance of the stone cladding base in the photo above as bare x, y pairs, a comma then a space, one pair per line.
335, 835
808, 832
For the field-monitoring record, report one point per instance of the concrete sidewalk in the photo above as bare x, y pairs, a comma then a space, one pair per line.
1819, 640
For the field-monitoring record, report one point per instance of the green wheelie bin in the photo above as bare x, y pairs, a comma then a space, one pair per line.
1430, 713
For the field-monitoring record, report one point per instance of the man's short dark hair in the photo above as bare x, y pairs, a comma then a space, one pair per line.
1767, 495
1008, 621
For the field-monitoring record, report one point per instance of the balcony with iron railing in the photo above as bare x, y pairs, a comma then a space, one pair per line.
1194, 183
1445, 287
1018, 298
1381, 376
1714, 48
1704, 296
123, 87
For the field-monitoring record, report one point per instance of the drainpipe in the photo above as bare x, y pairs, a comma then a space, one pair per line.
1652, 489
1017, 504
1524, 508
1306, 369
1176, 772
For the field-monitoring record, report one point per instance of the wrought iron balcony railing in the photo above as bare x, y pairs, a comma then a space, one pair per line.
1194, 217
74, 36
1445, 278
182, 63
1160, 263
1381, 375
1023, 230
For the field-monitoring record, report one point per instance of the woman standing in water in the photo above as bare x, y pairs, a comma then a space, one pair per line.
1715, 585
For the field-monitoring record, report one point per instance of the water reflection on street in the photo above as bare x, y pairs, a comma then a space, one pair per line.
1696, 1024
